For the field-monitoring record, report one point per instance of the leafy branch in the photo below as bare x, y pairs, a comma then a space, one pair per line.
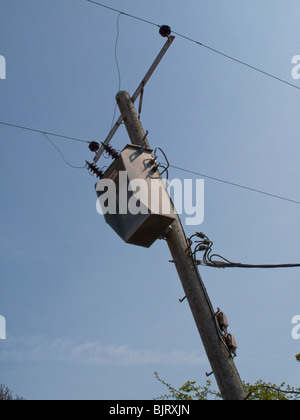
260, 391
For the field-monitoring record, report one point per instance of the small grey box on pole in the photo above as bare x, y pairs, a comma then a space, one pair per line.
221, 361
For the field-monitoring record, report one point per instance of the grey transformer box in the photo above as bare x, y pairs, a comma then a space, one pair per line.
133, 198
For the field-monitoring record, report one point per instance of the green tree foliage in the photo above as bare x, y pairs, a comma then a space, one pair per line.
189, 391
260, 391
298, 357
263, 391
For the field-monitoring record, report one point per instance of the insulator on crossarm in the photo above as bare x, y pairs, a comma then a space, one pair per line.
165, 31
94, 170
94, 146
110, 151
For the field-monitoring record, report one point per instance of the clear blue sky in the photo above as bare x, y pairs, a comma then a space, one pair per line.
89, 317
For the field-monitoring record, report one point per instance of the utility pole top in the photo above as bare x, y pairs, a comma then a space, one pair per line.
132, 124
137, 93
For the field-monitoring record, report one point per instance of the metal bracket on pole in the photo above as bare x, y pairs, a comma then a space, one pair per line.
141, 103
137, 93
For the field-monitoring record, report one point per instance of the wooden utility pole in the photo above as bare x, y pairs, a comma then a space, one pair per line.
219, 355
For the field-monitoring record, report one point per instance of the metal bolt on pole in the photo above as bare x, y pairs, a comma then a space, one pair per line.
221, 361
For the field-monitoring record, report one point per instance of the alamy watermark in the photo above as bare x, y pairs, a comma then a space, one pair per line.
2, 328
296, 68
138, 196
2, 67
296, 329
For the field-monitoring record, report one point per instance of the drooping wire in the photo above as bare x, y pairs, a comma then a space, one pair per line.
116, 50
165, 165
118, 66
171, 166
204, 245
227, 56
61, 154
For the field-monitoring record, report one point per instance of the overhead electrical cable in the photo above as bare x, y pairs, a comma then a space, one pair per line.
227, 56
204, 245
61, 154
118, 67
238, 61
124, 13
46, 133
235, 184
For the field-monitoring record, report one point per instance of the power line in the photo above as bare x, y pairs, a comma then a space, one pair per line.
46, 135
236, 185
123, 13
239, 61
116, 52
202, 45
61, 154
225, 56
44, 132
117, 65
204, 245
233, 184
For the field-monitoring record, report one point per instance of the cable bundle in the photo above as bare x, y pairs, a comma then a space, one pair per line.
205, 245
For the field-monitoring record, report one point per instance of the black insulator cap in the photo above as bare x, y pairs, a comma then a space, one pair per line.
165, 31
94, 146
112, 152
94, 170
